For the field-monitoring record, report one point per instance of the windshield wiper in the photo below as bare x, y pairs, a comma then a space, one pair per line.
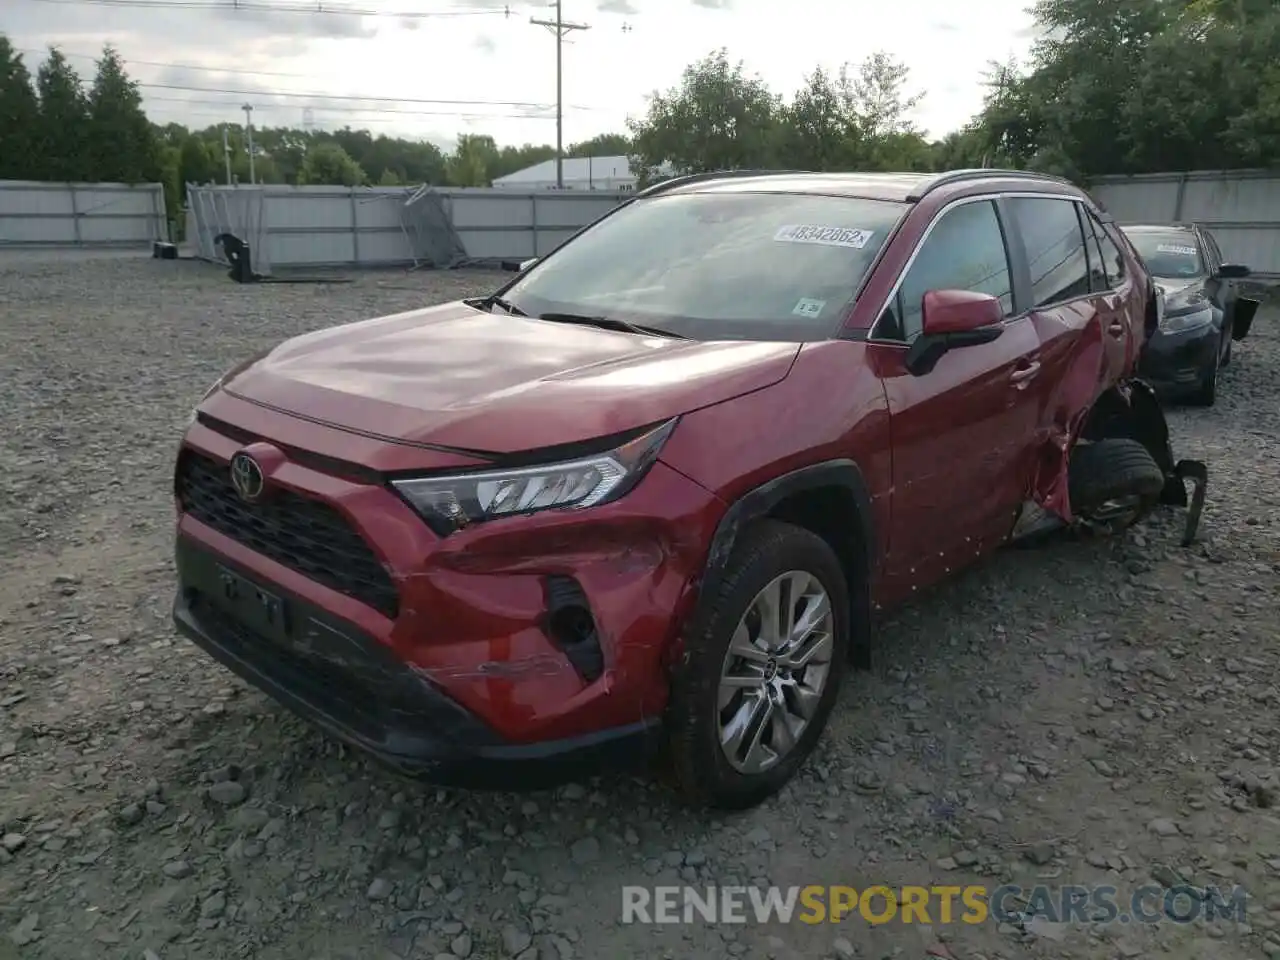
610, 323
496, 301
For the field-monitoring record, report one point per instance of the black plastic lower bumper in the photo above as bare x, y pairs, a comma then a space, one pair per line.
1176, 363
350, 685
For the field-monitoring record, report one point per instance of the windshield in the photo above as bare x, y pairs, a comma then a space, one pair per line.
1171, 254
717, 266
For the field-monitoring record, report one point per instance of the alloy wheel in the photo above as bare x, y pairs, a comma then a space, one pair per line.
775, 671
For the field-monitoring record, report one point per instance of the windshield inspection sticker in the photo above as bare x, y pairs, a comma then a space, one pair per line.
809, 308
827, 236
1175, 248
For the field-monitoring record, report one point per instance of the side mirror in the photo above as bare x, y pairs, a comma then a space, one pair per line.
959, 311
1233, 271
951, 319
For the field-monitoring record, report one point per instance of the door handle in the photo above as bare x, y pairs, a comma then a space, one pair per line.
1022, 374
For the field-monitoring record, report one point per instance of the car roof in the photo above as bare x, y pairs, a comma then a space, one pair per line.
902, 187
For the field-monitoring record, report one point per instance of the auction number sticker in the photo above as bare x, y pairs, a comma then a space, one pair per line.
1175, 248
827, 236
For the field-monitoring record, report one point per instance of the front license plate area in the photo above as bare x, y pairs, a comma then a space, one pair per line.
261, 611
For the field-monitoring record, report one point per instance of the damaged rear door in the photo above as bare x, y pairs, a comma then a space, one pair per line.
1084, 332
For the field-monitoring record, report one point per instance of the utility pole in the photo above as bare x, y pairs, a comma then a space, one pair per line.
226, 153
248, 131
560, 29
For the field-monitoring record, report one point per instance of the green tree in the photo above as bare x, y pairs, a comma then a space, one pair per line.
819, 131
718, 118
329, 163
603, 145
196, 162
64, 120
877, 95
511, 159
19, 117
121, 143
472, 161
286, 147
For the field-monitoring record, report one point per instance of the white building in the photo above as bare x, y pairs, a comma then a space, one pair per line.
580, 173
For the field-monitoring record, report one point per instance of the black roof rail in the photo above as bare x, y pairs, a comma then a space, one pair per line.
980, 173
665, 185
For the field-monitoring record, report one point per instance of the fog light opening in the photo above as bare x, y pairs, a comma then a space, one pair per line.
570, 624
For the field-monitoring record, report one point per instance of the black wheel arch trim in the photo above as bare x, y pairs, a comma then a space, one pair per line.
760, 501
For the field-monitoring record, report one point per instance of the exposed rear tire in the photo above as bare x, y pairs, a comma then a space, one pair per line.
707, 764
1113, 483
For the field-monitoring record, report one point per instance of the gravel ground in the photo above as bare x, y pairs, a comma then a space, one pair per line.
1084, 712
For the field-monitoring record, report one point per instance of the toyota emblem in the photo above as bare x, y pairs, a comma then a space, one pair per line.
246, 477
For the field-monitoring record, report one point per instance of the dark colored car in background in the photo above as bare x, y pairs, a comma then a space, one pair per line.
1204, 309
648, 493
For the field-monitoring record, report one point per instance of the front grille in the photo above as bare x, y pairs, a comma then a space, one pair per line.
295, 531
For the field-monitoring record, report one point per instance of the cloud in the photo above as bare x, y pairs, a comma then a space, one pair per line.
624, 7
485, 44
223, 30
944, 27
713, 4
329, 26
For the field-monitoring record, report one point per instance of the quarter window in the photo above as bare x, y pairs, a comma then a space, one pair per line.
964, 251
1055, 248
1112, 259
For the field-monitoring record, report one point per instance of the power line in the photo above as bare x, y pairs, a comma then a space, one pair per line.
231, 104
300, 76
261, 6
344, 97
172, 66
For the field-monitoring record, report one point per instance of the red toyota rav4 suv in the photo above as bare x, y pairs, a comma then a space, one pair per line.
651, 491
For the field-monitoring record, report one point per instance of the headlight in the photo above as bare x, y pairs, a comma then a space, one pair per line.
1176, 321
452, 502
1186, 300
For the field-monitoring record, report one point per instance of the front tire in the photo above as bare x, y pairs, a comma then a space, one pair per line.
761, 669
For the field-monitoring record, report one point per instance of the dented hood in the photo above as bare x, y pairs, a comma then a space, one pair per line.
462, 377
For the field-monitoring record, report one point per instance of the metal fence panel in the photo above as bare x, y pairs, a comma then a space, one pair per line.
35, 213
1240, 207
371, 226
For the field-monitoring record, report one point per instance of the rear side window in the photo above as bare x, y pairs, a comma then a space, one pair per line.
1055, 248
964, 251
1097, 270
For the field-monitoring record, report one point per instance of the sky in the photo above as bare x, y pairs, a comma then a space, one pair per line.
432, 69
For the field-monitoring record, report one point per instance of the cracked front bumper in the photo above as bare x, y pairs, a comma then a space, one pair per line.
348, 684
